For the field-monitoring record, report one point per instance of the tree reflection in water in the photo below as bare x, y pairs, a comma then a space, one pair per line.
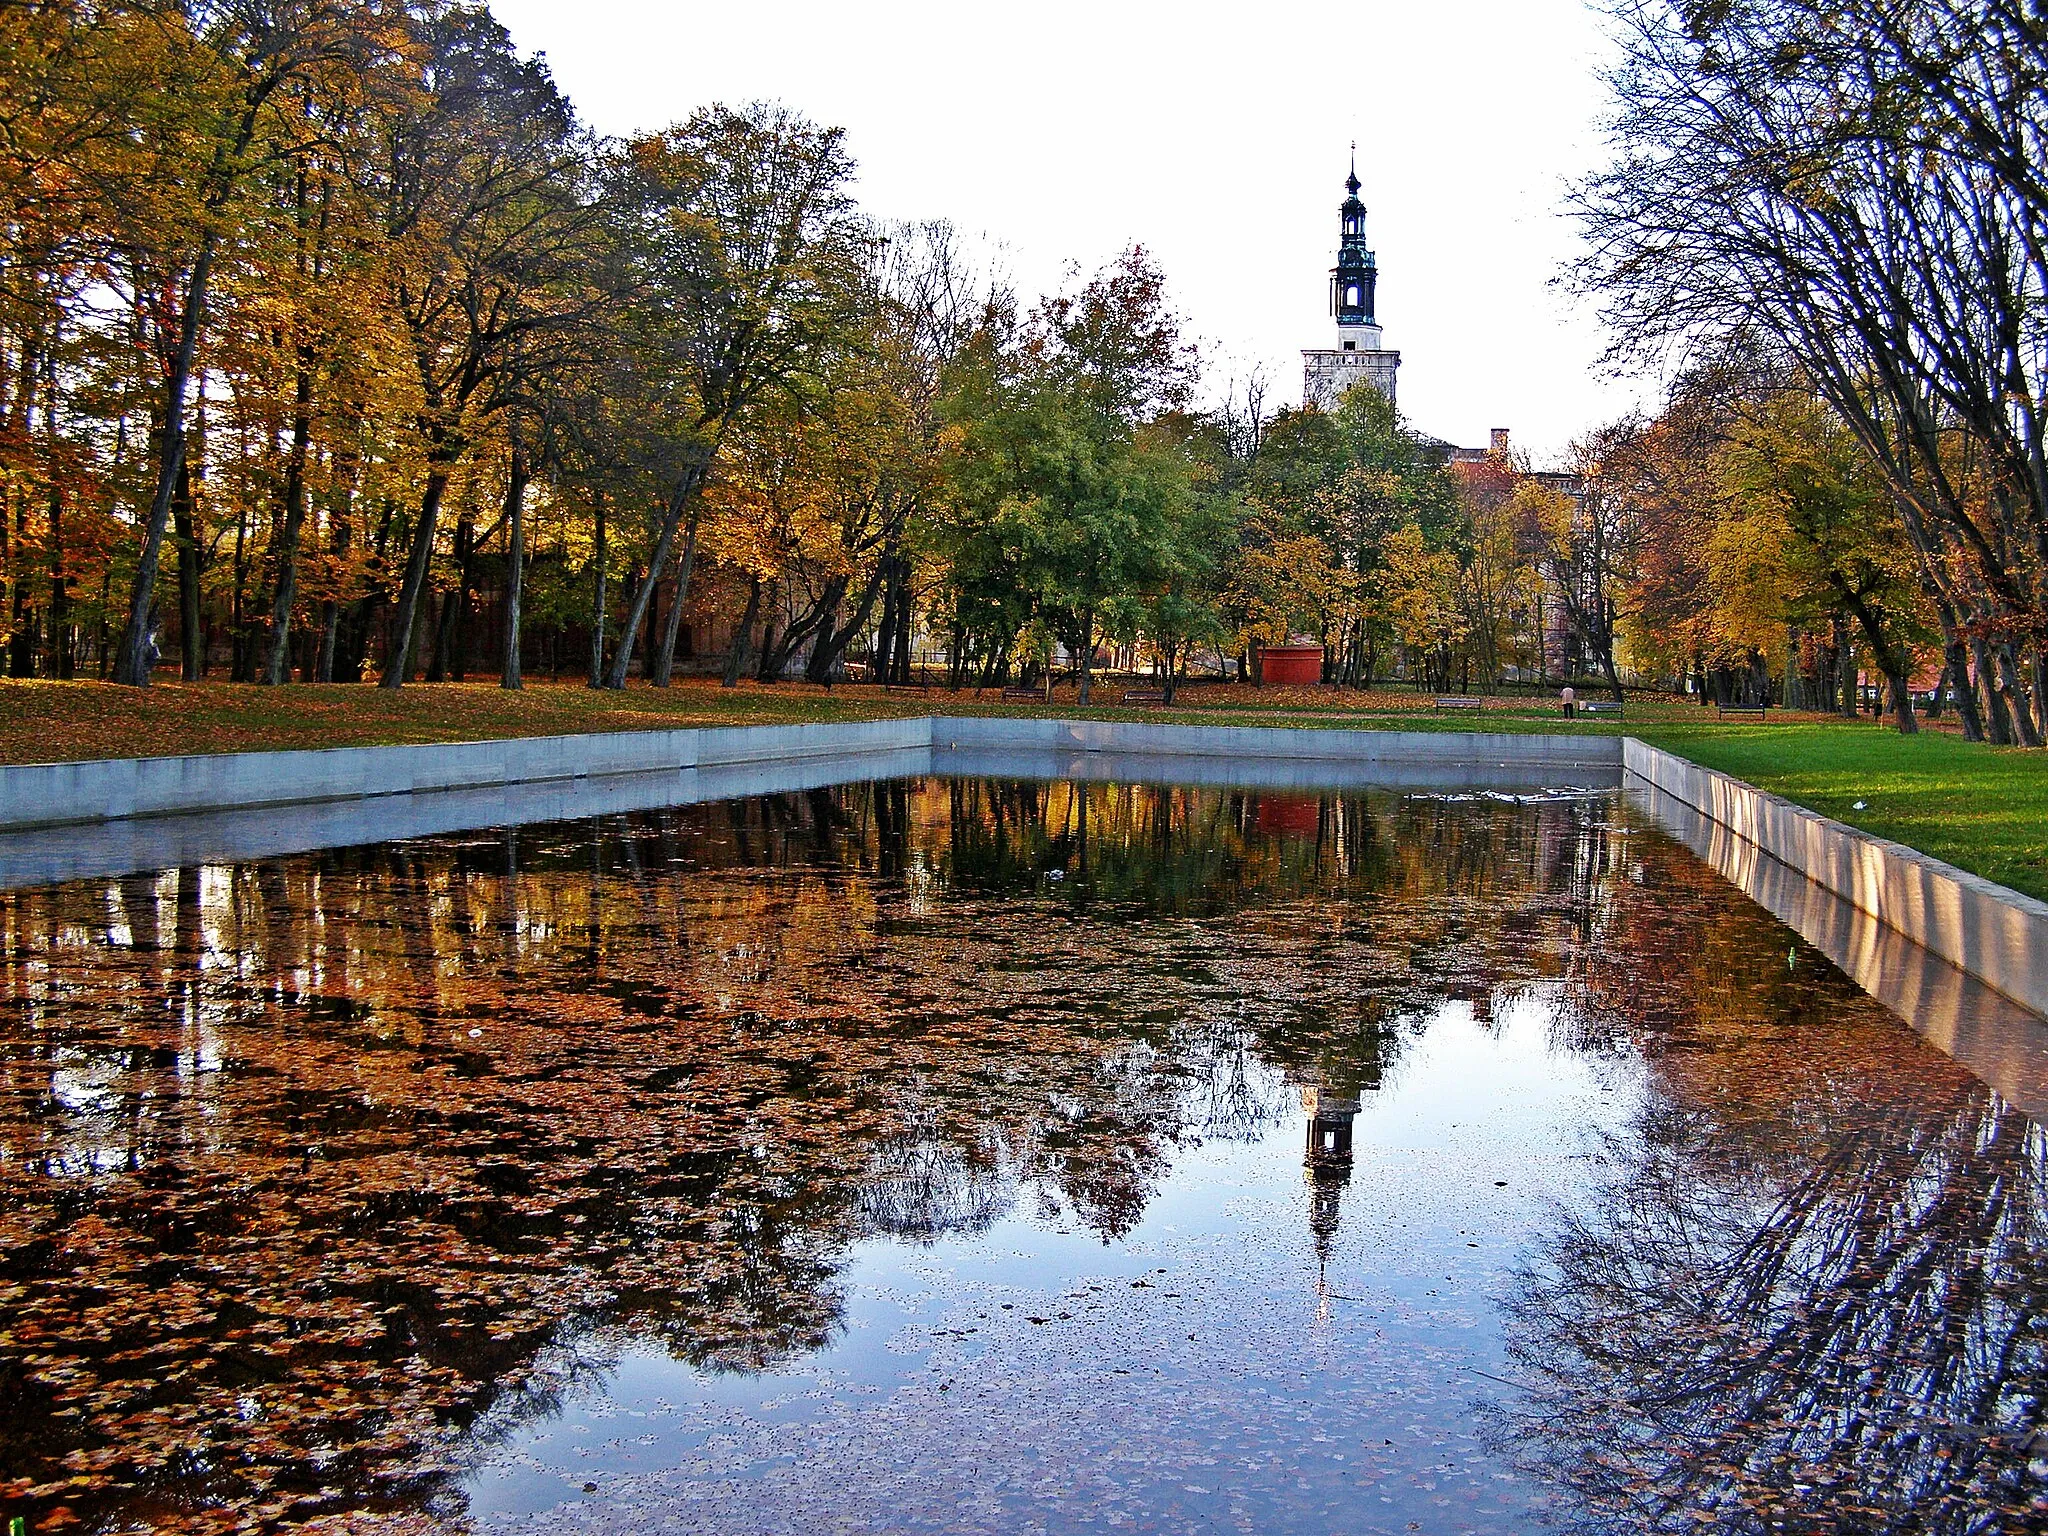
1810, 1295
308, 1162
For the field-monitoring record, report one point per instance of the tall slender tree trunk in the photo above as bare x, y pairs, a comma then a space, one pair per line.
342, 533
132, 666
1087, 654
885, 634
398, 665
515, 562
736, 653
191, 630
1961, 690
904, 617
62, 660
687, 487
773, 651
277, 664
597, 615
664, 664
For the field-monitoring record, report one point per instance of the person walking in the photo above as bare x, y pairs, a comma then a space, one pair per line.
1571, 700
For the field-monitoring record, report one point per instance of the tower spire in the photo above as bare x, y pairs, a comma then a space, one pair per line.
1356, 274
1360, 356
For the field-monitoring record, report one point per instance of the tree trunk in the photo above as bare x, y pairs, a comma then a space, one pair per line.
736, 653
1087, 654
1900, 683
134, 662
1604, 653
885, 635
398, 666
192, 636
61, 659
342, 534
832, 641
243, 642
1962, 689
2007, 673
598, 557
665, 663
903, 623
686, 490
1997, 724
323, 656
277, 664
515, 562
769, 656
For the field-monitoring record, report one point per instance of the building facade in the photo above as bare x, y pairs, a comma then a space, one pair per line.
1361, 355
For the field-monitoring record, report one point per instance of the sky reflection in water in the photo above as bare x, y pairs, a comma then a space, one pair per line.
964, 1155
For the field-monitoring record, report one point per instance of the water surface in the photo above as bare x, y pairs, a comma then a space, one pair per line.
970, 1154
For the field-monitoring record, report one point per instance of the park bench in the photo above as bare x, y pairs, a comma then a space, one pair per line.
1601, 707
1144, 696
1024, 691
913, 687
1460, 701
1742, 711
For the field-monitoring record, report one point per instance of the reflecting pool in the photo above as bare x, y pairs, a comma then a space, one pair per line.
986, 1154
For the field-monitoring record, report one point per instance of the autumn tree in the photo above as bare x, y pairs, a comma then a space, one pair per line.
222, 111
1076, 503
1805, 499
494, 237
747, 250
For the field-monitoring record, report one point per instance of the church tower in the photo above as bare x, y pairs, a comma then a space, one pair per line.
1360, 355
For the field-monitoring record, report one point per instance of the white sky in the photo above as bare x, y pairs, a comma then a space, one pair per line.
1214, 135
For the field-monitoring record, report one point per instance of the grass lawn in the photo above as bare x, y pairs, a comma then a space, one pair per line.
1984, 809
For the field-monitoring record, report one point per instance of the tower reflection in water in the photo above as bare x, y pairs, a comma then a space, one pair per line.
1328, 1166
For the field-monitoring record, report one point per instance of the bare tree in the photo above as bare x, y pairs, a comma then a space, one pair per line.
1862, 181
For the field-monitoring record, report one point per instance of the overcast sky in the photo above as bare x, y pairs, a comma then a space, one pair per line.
1217, 137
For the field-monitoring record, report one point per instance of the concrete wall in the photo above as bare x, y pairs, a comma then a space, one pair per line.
1993, 934
55, 794
59, 794
1544, 755
47, 855
1300, 775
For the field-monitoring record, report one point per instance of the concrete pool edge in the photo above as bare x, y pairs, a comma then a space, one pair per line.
1995, 935
1992, 934
99, 790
